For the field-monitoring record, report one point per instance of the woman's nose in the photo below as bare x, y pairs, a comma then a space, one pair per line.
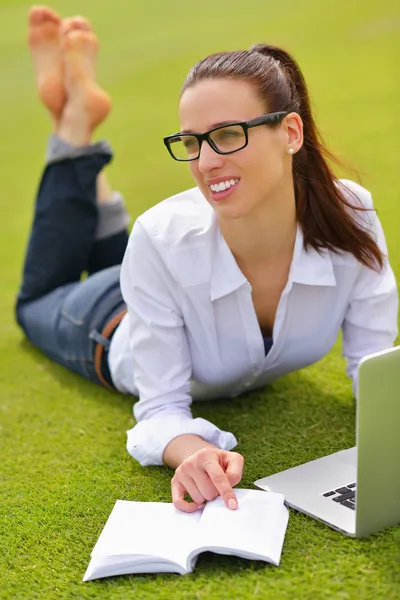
209, 159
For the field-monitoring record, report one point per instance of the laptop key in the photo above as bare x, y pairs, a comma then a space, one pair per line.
329, 493
351, 485
343, 497
349, 504
342, 490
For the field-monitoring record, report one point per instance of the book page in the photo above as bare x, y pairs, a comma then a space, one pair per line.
155, 529
127, 565
256, 529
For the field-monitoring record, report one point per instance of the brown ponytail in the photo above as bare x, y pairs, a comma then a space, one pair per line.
322, 210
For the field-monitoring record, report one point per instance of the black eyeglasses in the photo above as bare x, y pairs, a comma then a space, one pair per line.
224, 140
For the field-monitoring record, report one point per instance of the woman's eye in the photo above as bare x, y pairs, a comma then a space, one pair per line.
189, 142
227, 133
226, 136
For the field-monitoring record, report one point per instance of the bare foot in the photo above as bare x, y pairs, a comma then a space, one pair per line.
44, 43
87, 104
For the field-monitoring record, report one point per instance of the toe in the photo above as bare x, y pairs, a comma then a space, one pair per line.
39, 15
75, 24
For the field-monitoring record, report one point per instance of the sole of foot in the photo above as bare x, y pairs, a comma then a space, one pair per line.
87, 104
44, 27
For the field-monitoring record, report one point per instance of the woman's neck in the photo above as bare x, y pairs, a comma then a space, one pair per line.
265, 236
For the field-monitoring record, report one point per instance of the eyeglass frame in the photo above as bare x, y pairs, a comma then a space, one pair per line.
267, 119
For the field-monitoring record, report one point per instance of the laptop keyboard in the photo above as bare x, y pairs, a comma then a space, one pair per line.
346, 495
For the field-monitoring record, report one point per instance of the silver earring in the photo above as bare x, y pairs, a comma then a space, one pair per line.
290, 151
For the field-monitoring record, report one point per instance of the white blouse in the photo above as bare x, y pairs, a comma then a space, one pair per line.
191, 331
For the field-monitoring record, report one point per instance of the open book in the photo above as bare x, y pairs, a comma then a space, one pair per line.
155, 537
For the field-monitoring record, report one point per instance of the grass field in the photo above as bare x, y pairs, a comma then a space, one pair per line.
62, 440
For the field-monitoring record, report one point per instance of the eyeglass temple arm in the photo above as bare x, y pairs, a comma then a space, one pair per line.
270, 118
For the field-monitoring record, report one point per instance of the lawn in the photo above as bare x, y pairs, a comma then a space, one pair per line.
62, 440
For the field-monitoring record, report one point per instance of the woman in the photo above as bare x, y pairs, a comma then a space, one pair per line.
228, 286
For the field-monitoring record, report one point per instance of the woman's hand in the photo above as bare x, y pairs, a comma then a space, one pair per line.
204, 475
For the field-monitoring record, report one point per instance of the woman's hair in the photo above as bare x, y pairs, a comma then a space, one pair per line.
322, 210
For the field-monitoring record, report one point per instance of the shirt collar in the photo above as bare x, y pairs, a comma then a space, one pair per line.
308, 267
226, 277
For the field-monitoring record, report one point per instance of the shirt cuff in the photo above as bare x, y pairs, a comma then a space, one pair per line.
59, 149
112, 217
149, 438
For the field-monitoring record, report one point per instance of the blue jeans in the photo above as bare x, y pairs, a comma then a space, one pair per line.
60, 314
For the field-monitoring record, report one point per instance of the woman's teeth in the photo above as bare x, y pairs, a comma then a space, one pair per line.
223, 185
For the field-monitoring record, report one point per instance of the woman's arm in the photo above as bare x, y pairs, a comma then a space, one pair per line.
181, 447
371, 320
161, 358
166, 431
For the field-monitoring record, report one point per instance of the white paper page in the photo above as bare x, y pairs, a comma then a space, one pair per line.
124, 565
148, 528
256, 527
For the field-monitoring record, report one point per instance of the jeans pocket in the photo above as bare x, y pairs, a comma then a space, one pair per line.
86, 308
91, 296
77, 306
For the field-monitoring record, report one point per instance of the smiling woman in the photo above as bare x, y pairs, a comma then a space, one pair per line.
223, 288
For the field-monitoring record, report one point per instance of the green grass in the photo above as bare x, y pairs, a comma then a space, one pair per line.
62, 440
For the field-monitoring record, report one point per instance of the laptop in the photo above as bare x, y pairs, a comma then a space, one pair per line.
356, 491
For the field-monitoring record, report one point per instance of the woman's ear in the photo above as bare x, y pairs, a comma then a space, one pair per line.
294, 129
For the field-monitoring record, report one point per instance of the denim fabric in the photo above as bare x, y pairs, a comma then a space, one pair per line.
57, 311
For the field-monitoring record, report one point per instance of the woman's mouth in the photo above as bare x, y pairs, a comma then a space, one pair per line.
223, 188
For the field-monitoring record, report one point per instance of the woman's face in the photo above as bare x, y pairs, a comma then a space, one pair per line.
257, 172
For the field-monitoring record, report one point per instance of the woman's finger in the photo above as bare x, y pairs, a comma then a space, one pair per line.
178, 491
221, 482
204, 484
190, 485
233, 466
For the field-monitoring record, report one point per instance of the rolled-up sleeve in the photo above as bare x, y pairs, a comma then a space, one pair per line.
161, 356
371, 320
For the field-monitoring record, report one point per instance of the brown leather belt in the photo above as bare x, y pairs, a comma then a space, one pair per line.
99, 349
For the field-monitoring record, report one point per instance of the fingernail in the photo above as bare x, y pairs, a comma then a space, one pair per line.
232, 504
